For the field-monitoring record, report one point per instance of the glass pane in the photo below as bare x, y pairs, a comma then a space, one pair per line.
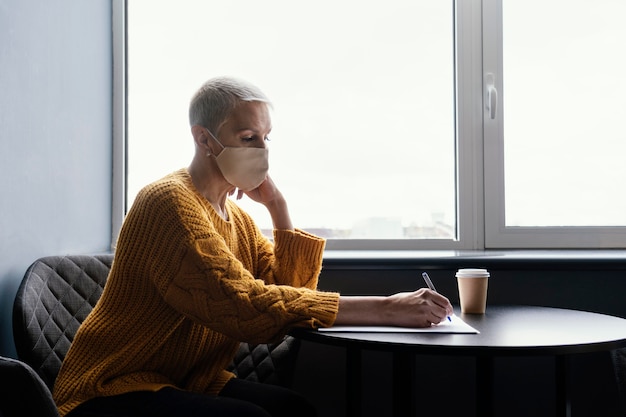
363, 104
564, 108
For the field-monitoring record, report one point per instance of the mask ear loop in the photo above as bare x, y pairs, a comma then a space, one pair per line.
214, 138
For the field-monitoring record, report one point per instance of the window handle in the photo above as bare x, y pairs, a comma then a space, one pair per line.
492, 96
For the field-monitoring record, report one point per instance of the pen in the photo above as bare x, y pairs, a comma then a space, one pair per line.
431, 286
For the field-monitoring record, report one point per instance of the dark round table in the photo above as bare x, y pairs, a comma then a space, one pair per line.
504, 331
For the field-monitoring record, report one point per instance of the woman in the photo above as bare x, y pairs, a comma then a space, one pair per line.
193, 276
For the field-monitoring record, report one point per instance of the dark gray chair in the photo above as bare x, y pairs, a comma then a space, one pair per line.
58, 292
23, 392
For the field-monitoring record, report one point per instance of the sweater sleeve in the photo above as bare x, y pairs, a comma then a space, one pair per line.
297, 258
294, 258
217, 292
198, 274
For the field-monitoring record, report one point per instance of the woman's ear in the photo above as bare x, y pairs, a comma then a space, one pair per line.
201, 138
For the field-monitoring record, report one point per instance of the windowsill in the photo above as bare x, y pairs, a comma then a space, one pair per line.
494, 259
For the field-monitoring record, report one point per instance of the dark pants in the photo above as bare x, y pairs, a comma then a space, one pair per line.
239, 398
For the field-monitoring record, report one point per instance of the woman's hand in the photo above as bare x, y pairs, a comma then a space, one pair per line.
264, 193
268, 194
420, 308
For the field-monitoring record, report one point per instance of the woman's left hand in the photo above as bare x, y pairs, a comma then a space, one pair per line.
268, 194
264, 193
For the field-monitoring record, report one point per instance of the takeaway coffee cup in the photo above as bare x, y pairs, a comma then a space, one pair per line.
472, 289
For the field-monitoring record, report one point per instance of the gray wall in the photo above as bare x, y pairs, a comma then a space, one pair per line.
55, 136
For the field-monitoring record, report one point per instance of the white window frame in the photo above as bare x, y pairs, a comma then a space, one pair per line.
479, 147
119, 164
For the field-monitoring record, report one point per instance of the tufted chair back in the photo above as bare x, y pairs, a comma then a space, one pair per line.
58, 292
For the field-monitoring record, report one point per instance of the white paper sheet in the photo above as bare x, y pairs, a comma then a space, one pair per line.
456, 325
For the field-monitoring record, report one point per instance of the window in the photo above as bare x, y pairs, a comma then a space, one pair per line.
556, 180
363, 144
402, 124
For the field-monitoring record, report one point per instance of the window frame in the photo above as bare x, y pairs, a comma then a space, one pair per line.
119, 163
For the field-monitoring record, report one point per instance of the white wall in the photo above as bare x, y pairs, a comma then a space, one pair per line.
55, 136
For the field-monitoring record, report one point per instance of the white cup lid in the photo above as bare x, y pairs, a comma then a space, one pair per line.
472, 273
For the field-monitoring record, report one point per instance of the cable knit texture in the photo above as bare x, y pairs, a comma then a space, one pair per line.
185, 288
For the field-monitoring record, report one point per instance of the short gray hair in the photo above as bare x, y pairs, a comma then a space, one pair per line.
212, 104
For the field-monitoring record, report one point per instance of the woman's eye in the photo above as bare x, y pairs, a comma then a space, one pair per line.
253, 138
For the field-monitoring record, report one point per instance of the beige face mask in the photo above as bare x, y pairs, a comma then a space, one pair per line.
244, 167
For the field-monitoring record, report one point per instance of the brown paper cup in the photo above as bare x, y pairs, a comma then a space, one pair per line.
473, 290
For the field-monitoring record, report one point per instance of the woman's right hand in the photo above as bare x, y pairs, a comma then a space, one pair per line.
420, 308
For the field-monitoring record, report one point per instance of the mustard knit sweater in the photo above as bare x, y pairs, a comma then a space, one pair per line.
185, 287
